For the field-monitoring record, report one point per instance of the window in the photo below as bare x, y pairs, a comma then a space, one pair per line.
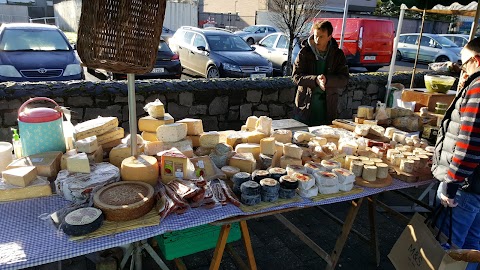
402, 39
271, 29
33, 39
199, 41
411, 39
187, 38
282, 42
269, 41
426, 41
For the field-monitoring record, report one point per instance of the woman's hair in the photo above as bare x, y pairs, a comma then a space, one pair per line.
323, 25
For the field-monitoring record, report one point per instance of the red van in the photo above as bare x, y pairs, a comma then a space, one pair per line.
366, 42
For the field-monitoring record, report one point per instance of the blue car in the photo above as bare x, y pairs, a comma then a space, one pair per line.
36, 52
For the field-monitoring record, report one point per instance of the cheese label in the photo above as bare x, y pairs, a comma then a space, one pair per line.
36, 159
178, 170
168, 167
200, 164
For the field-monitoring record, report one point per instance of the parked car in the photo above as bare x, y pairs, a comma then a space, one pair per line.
253, 34
459, 39
37, 52
218, 53
433, 48
367, 42
274, 48
167, 33
167, 66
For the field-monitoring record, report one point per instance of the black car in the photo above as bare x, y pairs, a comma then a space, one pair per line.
167, 66
217, 53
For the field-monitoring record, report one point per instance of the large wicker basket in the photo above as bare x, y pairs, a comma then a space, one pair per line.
120, 36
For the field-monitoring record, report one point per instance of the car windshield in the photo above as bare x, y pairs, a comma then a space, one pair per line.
250, 29
227, 43
163, 46
33, 40
445, 42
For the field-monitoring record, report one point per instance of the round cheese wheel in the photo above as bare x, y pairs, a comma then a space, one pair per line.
140, 168
369, 173
382, 170
250, 200
285, 193
125, 200
349, 159
250, 188
288, 182
277, 172
258, 175
356, 167
406, 165
269, 197
82, 221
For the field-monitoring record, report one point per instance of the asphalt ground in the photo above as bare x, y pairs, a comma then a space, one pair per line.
276, 247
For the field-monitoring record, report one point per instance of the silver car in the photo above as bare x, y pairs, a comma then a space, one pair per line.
274, 48
433, 48
253, 34
459, 39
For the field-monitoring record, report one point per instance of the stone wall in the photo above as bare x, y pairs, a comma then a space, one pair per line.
222, 103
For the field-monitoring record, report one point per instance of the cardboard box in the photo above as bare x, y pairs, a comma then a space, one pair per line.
425, 99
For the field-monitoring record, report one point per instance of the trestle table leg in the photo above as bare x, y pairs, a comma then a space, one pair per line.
352, 214
220, 248
247, 242
317, 249
372, 202
134, 250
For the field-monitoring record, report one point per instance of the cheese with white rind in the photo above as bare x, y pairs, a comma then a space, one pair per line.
95, 126
264, 125
356, 167
194, 126
39, 187
329, 165
78, 163
362, 130
303, 136
150, 124
20, 176
344, 176
77, 187
305, 181
282, 135
87, 145
328, 189
295, 168
172, 132
267, 146
348, 160
313, 167
369, 173
209, 139
140, 168
155, 109
406, 165
326, 179
292, 150
312, 192
382, 170
251, 121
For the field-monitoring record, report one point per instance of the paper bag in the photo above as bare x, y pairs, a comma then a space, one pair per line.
417, 248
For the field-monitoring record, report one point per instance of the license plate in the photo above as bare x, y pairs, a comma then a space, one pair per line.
369, 58
158, 70
257, 76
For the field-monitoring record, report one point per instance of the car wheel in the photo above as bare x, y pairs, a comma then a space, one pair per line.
212, 72
250, 41
442, 58
399, 56
284, 70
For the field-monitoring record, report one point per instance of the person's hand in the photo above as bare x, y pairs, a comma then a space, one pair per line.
442, 196
321, 81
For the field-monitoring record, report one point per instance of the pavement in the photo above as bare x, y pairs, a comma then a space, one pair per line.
277, 248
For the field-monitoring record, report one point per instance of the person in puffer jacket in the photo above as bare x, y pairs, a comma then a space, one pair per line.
457, 156
320, 71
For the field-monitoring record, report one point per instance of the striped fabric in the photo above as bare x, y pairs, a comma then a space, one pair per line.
467, 151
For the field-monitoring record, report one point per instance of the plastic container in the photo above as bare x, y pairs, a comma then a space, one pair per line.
5, 155
438, 83
41, 129
181, 243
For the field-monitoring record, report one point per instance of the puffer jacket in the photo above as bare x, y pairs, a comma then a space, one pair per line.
304, 77
457, 151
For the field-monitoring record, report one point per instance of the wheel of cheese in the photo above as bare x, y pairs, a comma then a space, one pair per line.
369, 173
349, 159
269, 197
125, 200
382, 170
356, 167
284, 193
140, 168
277, 172
269, 186
250, 200
288, 182
82, 221
250, 188
258, 175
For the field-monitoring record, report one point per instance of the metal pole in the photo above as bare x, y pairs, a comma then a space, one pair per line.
418, 50
344, 22
474, 25
132, 113
403, 7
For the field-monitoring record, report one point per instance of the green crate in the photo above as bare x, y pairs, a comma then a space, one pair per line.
192, 240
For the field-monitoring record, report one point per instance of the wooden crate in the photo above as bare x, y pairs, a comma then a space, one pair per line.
425, 99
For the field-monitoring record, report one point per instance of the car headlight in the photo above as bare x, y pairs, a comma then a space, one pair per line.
72, 69
9, 71
231, 67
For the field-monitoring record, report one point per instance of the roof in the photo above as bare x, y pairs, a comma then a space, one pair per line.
28, 26
208, 32
453, 9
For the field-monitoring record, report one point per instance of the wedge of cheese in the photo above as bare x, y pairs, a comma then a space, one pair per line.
209, 139
20, 176
149, 136
173, 165
150, 124
96, 127
87, 145
155, 109
194, 126
172, 132
246, 162
78, 163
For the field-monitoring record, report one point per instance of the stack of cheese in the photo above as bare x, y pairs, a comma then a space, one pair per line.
86, 151
124, 150
156, 117
367, 168
22, 183
108, 133
409, 159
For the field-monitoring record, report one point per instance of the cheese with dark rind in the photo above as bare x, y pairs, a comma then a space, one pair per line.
269, 197
125, 200
265, 161
277, 172
284, 193
82, 221
250, 200
258, 175
288, 182
238, 179
250, 188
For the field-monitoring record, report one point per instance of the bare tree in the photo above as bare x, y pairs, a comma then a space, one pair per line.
292, 16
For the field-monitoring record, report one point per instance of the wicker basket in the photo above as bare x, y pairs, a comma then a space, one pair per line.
120, 36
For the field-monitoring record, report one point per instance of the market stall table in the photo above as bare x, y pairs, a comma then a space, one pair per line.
30, 239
